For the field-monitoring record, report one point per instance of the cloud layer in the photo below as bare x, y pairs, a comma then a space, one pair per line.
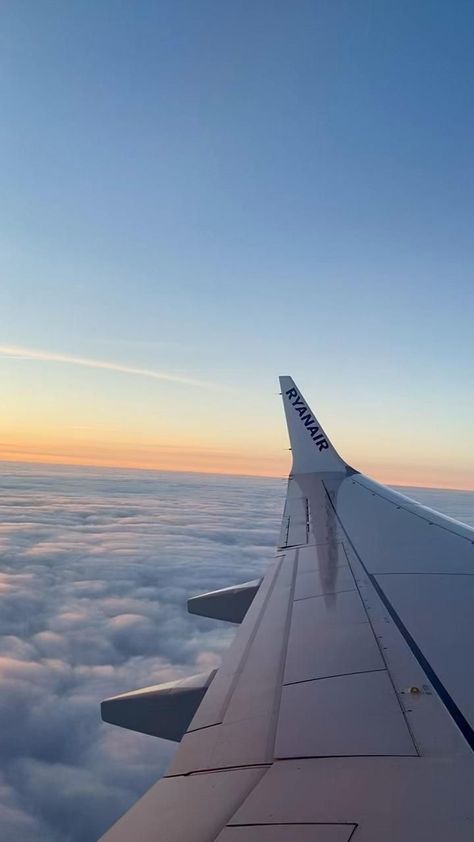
96, 569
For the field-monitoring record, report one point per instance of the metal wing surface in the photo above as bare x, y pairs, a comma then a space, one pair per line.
344, 708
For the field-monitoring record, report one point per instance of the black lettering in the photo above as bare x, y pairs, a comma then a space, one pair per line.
308, 420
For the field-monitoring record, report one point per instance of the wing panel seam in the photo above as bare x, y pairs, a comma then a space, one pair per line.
335, 675
466, 729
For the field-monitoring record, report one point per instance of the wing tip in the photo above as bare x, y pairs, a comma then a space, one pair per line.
312, 449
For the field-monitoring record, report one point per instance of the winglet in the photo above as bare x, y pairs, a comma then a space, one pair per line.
311, 448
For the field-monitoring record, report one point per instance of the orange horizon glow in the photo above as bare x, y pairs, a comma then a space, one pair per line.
146, 456
76, 410
202, 460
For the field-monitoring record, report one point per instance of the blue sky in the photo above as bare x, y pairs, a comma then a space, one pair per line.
230, 191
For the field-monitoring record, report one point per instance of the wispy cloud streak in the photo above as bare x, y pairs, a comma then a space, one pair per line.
20, 353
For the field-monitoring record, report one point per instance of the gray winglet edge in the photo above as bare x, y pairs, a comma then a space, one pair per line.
311, 447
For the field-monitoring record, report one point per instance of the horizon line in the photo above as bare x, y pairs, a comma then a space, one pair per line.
78, 465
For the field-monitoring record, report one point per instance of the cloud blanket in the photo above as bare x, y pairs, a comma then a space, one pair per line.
96, 569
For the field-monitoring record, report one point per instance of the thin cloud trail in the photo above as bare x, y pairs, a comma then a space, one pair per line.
20, 353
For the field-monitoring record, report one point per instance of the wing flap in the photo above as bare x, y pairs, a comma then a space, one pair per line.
251, 692
185, 809
386, 798
357, 715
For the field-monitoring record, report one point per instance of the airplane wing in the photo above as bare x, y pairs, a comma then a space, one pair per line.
344, 709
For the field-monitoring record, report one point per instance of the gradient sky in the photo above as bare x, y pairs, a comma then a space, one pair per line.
221, 192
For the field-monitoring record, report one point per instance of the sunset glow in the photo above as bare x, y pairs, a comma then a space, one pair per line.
73, 411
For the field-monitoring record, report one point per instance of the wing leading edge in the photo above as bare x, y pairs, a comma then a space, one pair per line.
344, 708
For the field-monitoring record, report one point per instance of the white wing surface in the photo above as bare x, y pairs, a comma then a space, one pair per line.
344, 709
